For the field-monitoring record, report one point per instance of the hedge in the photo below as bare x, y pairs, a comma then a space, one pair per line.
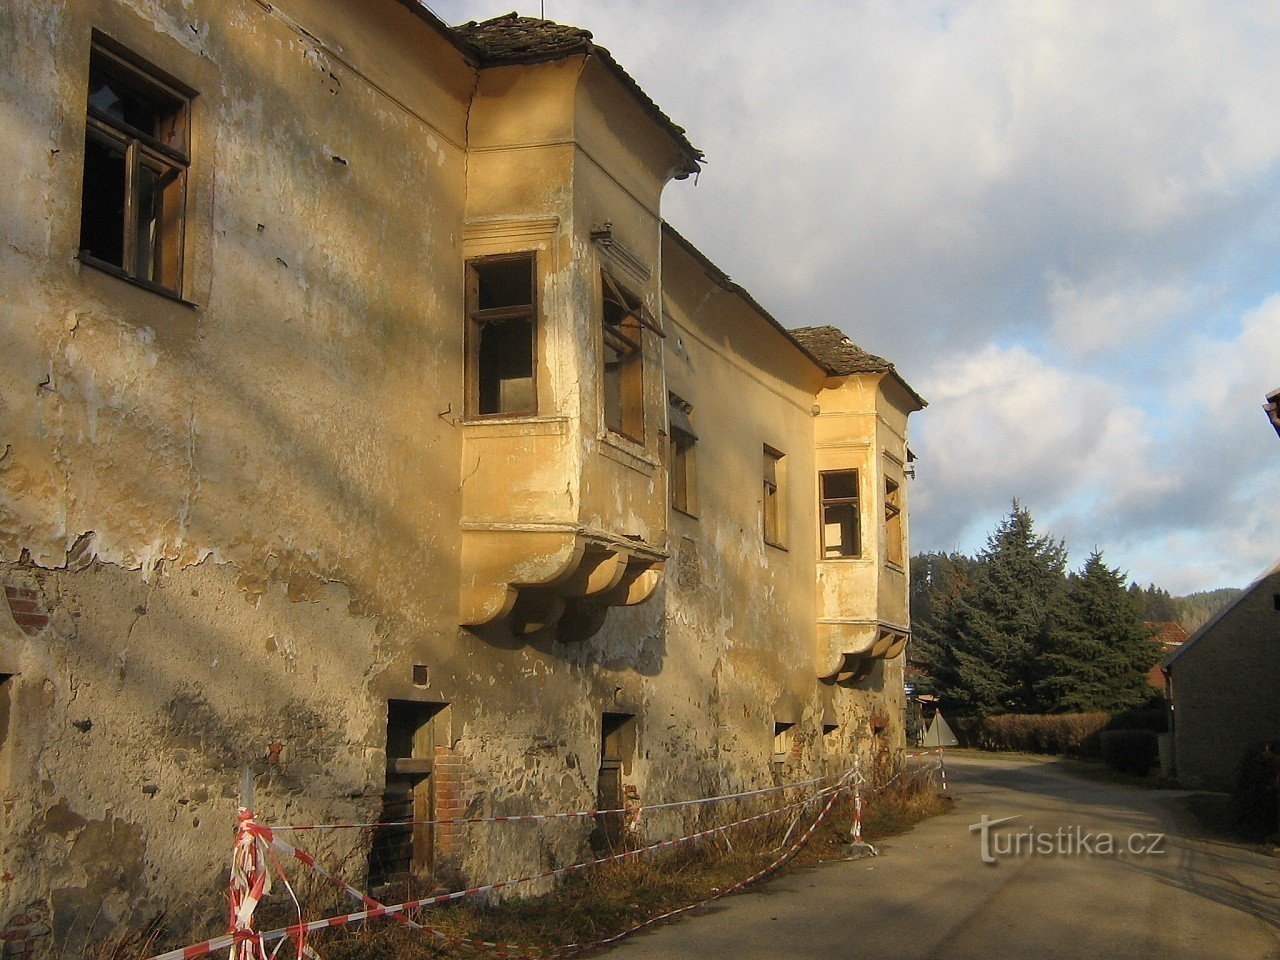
1257, 795
1030, 733
1130, 751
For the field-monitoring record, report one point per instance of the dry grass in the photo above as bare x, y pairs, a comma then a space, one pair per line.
597, 903
613, 898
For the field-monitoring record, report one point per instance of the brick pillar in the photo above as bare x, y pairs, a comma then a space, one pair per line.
449, 785
27, 607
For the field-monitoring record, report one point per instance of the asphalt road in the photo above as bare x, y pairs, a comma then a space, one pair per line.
929, 895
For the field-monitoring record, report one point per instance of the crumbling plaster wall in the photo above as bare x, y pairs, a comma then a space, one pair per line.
238, 513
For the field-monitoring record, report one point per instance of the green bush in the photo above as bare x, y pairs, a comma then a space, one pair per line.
1054, 733
1256, 799
1130, 751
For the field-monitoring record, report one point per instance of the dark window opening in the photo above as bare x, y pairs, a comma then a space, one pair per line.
840, 528
133, 193
784, 741
6, 704
413, 732
892, 523
682, 477
622, 372
502, 336
773, 498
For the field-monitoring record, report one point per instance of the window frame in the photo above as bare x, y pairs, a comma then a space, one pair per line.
682, 448
773, 493
894, 554
613, 290
855, 501
477, 318
138, 148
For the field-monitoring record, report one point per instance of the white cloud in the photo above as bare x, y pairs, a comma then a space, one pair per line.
1095, 186
1105, 313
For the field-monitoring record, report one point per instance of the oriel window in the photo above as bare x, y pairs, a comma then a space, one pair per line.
622, 373
892, 522
502, 336
840, 533
136, 157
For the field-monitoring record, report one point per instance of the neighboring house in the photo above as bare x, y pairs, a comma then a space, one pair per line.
1226, 687
364, 425
1168, 635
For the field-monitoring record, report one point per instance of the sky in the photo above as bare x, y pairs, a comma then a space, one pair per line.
1061, 220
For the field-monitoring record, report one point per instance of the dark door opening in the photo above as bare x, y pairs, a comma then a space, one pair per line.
617, 745
400, 852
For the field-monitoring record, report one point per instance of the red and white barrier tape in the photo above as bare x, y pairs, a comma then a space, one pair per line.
242, 935
795, 848
633, 811
378, 910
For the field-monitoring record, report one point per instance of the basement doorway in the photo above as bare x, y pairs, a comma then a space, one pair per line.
414, 730
617, 749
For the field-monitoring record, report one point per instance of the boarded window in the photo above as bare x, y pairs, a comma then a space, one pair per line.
773, 503
134, 188
840, 527
892, 523
683, 466
502, 336
622, 359
413, 732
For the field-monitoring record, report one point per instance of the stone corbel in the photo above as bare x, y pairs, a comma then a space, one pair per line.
532, 576
847, 650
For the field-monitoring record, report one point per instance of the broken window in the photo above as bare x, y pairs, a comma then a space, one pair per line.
683, 440
502, 336
784, 741
133, 195
617, 748
840, 528
773, 498
892, 523
622, 369
413, 732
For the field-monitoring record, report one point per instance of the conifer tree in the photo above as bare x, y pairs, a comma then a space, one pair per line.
991, 623
1098, 651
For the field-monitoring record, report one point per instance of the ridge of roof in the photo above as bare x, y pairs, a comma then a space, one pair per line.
722, 280
428, 16
1217, 617
513, 39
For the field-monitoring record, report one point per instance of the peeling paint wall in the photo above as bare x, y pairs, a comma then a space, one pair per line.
234, 529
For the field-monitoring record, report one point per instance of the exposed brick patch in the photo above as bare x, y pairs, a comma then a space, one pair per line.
450, 788
27, 608
22, 934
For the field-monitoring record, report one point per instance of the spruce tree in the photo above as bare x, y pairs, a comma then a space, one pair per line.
991, 623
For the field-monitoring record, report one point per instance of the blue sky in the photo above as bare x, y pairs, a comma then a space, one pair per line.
1061, 220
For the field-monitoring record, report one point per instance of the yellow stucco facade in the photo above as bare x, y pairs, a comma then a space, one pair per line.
296, 503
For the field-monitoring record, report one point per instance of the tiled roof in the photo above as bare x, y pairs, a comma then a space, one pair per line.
1168, 633
515, 39
841, 357
838, 353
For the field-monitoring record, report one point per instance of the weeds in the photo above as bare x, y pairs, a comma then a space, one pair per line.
615, 897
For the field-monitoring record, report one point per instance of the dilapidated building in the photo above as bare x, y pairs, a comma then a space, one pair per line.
362, 423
